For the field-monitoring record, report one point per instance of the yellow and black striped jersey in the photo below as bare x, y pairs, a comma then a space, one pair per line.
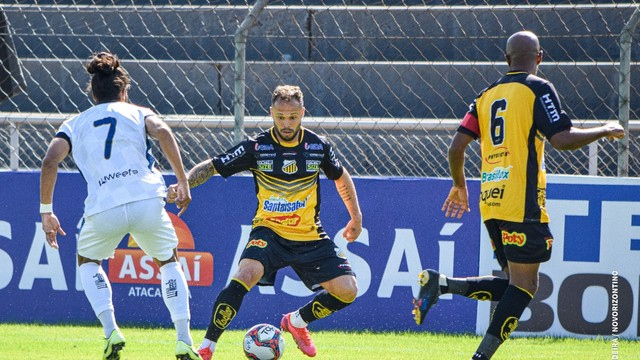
286, 180
511, 117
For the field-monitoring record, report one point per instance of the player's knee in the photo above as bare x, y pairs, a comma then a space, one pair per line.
348, 291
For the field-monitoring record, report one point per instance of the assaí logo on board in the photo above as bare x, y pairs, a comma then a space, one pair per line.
132, 266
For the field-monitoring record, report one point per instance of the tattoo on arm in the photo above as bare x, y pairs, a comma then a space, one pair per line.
201, 173
345, 192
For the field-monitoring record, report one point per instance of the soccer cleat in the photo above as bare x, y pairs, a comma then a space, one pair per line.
205, 353
186, 352
301, 336
429, 293
113, 345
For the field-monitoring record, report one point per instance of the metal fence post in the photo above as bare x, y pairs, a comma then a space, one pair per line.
240, 40
626, 37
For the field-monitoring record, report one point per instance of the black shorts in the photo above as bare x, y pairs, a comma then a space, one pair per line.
314, 261
526, 243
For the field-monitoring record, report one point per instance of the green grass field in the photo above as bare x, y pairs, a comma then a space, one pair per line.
19, 341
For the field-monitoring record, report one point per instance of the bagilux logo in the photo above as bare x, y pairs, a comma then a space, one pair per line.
132, 266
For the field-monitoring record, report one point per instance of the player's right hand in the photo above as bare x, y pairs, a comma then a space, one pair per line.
615, 131
457, 203
51, 227
180, 194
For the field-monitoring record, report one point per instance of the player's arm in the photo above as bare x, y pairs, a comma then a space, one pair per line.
575, 138
57, 151
347, 191
160, 131
457, 202
201, 173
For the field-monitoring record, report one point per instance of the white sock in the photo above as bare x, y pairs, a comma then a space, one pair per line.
97, 289
108, 320
175, 294
206, 343
296, 320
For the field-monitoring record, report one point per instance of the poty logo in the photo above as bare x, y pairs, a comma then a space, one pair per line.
313, 165
514, 238
133, 266
257, 243
312, 147
550, 108
496, 175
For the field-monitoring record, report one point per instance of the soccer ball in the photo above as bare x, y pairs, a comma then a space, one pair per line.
263, 342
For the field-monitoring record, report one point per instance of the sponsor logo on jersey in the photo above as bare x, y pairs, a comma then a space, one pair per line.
290, 153
266, 155
496, 155
287, 220
509, 325
550, 108
278, 204
496, 193
265, 165
514, 238
313, 147
257, 243
229, 157
496, 175
313, 165
264, 147
313, 155
320, 311
542, 197
116, 175
549, 242
223, 315
289, 167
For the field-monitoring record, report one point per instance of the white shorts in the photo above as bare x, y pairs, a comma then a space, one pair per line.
146, 220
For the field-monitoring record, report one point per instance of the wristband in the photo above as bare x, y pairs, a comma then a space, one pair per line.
46, 208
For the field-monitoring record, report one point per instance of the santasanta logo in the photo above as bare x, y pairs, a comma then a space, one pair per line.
132, 266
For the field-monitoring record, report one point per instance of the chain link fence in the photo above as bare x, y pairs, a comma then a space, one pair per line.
387, 81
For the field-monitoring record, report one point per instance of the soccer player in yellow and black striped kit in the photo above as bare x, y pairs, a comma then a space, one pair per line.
511, 117
286, 161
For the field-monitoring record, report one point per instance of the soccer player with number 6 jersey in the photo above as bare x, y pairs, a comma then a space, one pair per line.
511, 117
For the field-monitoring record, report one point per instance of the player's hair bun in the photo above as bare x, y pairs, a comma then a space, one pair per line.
103, 63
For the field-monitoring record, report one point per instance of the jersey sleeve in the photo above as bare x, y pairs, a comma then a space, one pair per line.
238, 158
331, 166
64, 132
469, 124
548, 116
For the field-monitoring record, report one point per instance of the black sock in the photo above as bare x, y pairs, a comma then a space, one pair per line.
504, 319
479, 288
323, 305
225, 309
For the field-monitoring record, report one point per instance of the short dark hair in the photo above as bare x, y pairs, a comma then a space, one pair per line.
287, 93
109, 78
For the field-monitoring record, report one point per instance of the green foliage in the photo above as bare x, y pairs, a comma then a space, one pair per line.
20, 341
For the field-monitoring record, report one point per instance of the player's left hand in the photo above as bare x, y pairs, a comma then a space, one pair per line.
352, 230
51, 227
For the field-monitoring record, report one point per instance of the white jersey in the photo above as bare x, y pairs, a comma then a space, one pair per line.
110, 146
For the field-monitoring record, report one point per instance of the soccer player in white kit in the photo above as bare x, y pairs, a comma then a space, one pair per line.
109, 144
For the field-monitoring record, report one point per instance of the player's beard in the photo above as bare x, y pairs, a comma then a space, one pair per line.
293, 135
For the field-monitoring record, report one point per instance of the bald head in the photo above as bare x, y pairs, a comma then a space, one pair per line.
523, 52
